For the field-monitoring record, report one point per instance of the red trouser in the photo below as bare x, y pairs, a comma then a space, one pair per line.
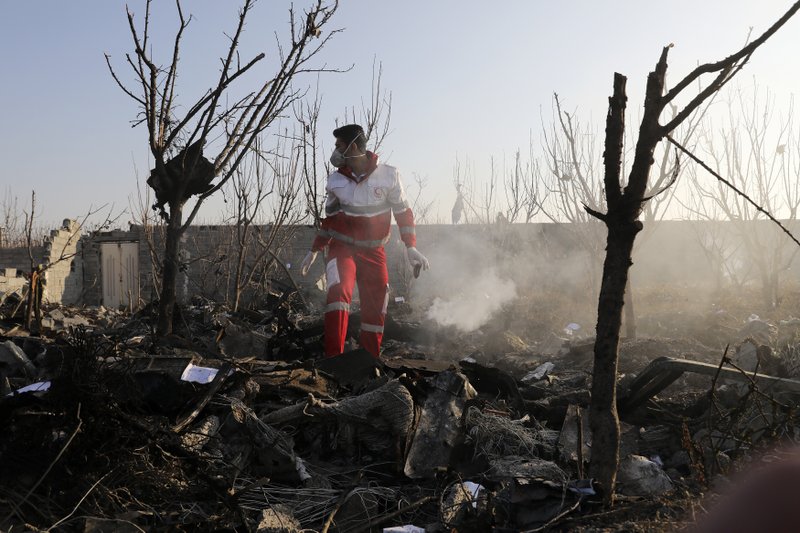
347, 264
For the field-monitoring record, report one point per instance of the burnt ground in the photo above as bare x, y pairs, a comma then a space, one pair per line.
281, 440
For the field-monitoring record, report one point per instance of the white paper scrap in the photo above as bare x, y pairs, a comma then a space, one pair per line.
408, 528
198, 374
33, 387
474, 489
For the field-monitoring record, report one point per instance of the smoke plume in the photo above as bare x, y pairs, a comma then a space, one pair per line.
470, 309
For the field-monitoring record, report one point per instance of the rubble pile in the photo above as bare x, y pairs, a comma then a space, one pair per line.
236, 423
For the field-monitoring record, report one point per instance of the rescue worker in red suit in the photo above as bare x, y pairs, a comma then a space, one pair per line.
362, 195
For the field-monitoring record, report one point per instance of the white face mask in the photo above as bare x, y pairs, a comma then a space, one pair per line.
338, 159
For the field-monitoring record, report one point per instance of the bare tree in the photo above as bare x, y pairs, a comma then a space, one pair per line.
11, 220
177, 143
313, 169
375, 116
55, 255
624, 206
524, 189
271, 182
757, 152
152, 229
14, 224
421, 205
573, 180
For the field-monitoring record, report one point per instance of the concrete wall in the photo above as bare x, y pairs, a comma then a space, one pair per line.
18, 258
64, 275
560, 256
61, 258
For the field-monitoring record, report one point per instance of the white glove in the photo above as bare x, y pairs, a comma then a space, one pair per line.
416, 258
307, 262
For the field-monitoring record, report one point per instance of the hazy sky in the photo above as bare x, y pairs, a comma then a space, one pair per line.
469, 79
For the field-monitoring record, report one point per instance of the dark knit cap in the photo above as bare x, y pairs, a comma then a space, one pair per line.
352, 133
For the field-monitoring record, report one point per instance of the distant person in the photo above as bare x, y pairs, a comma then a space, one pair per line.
361, 196
458, 207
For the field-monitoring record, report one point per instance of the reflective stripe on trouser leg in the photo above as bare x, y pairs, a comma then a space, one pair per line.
372, 279
340, 268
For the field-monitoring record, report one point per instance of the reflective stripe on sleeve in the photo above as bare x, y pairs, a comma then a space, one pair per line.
372, 328
337, 306
408, 230
365, 210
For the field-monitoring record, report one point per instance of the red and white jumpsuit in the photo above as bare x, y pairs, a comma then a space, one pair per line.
358, 211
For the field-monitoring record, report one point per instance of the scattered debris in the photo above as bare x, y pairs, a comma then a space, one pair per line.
237, 422
439, 427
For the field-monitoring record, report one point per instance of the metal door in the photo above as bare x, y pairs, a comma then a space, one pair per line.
120, 267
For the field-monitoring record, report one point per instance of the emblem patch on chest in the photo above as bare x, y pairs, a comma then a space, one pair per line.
379, 193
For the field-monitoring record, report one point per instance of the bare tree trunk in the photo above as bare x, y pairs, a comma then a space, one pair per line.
603, 417
630, 316
604, 421
170, 269
624, 207
242, 253
621, 219
33, 290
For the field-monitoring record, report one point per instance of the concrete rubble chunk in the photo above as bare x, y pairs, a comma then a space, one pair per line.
759, 330
639, 476
57, 314
746, 356
13, 358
